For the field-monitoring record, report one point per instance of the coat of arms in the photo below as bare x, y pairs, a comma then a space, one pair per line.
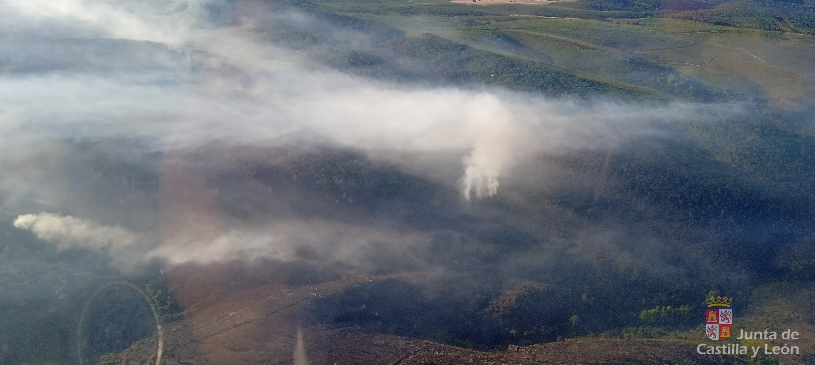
718, 321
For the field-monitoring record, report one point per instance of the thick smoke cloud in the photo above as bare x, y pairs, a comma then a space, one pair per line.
188, 74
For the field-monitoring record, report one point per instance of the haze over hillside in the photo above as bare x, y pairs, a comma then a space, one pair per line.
338, 181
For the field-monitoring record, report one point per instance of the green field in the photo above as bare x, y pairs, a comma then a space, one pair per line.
667, 55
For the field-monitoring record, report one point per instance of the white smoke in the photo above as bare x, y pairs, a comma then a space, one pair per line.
170, 22
491, 152
289, 240
282, 97
70, 232
224, 85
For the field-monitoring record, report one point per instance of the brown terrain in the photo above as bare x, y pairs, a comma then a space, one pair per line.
260, 325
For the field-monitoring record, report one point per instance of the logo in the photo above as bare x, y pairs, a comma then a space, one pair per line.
718, 321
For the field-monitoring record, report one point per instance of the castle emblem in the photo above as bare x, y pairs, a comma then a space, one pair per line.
718, 321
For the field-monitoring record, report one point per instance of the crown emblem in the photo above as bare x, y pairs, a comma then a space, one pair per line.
718, 301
